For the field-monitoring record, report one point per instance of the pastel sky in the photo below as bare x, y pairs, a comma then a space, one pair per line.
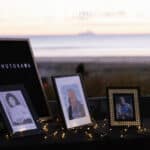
74, 16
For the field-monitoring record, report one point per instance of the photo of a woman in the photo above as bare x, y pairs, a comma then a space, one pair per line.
17, 109
75, 109
72, 100
18, 113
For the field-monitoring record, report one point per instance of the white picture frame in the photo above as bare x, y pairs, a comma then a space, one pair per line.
73, 101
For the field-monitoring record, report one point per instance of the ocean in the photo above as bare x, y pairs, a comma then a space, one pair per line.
91, 46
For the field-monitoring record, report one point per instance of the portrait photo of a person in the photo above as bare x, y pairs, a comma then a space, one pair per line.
124, 108
18, 113
71, 96
75, 108
16, 109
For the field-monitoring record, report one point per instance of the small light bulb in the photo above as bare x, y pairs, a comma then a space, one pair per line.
102, 135
7, 136
63, 135
95, 126
125, 130
88, 128
139, 127
90, 135
45, 137
55, 133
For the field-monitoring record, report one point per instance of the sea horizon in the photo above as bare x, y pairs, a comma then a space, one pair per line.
89, 47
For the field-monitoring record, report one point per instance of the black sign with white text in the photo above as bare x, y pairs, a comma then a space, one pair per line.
17, 67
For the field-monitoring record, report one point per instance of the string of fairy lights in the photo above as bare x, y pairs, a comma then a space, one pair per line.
98, 130
89, 132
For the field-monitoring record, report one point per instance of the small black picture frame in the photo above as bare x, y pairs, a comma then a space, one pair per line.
19, 116
72, 100
124, 106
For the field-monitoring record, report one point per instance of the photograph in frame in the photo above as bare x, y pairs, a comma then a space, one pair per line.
124, 106
72, 100
15, 108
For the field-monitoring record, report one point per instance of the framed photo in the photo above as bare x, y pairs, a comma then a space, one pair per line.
72, 100
17, 112
124, 106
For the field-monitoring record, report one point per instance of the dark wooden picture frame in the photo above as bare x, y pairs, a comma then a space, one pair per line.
30, 125
70, 86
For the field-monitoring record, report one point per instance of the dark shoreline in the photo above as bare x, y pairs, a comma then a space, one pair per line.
115, 59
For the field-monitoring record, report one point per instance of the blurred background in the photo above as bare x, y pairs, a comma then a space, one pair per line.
107, 42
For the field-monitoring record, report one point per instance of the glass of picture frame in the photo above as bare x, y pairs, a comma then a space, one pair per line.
16, 109
124, 106
72, 100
